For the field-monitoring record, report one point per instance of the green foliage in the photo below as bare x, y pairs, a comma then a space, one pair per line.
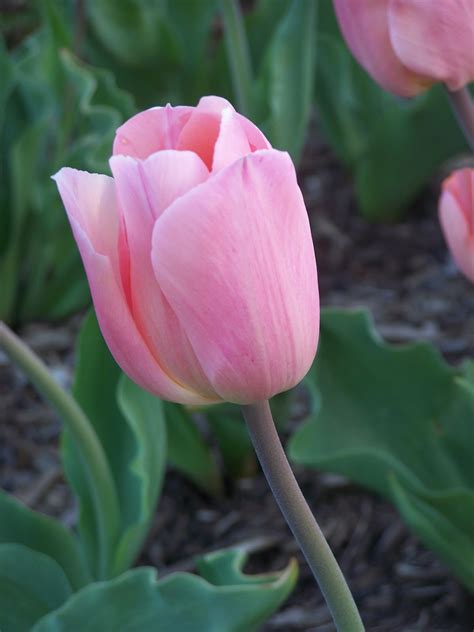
188, 452
31, 585
223, 600
56, 111
392, 146
43, 535
289, 76
131, 427
400, 421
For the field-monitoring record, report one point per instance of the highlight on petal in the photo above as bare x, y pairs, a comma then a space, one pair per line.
232, 142
235, 259
435, 39
90, 202
364, 25
144, 190
151, 131
456, 214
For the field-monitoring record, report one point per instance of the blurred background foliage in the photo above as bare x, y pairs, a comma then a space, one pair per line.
73, 70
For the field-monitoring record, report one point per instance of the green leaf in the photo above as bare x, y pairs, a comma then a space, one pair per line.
31, 585
444, 521
387, 412
143, 480
291, 64
137, 602
188, 452
22, 526
131, 428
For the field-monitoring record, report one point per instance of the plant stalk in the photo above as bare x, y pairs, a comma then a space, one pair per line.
101, 484
238, 55
463, 108
299, 517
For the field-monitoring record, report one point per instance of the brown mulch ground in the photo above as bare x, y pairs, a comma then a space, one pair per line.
404, 275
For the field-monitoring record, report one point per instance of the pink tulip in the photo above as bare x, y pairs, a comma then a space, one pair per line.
406, 45
456, 214
199, 256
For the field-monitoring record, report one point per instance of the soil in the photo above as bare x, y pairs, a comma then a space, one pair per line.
405, 276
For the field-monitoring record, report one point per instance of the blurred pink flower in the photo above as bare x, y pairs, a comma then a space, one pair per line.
406, 45
456, 214
199, 256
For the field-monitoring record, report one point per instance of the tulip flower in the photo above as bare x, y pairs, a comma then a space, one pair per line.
456, 214
199, 256
407, 45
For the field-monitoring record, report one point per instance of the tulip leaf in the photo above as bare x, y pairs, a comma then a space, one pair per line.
385, 414
290, 66
130, 425
138, 602
31, 585
43, 535
188, 452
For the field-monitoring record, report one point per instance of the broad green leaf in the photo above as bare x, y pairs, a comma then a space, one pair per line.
386, 411
31, 585
22, 526
138, 602
291, 64
130, 425
444, 522
143, 481
188, 452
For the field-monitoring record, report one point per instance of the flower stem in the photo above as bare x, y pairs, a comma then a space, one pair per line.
99, 478
238, 54
300, 518
463, 108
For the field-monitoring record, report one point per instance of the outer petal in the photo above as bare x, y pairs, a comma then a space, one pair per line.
235, 260
435, 39
456, 214
151, 131
144, 190
90, 203
364, 24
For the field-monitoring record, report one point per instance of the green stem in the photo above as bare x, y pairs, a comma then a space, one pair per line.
238, 54
300, 519
101, 484
463, 108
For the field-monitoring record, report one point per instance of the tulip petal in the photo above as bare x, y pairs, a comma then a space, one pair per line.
235, 260
90, 203
456, 214
151, 131
202, 129
232, 142
435, 39
144, 190
364, 25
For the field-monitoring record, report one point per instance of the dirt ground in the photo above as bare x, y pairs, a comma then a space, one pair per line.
405, 276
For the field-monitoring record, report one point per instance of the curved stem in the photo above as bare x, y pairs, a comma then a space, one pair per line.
238, 54
101, 484
463, 108
300, 518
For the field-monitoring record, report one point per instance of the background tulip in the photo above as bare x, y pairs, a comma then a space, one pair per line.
199, 256
456, 213
406, 45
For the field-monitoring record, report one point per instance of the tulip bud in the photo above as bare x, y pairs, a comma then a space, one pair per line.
456, 214
407, 45
199, 256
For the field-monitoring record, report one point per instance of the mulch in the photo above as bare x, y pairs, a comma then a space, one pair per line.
405, 276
